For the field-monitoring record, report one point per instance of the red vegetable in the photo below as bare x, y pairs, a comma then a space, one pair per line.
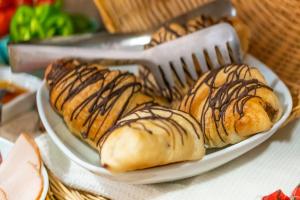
5, 17
296, 193
5, 4
39, 2
22, 2
277, 195
7, 10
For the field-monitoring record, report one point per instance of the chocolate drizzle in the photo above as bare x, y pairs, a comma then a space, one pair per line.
238, 88
161, 118
151, 88
112, 85
167, 33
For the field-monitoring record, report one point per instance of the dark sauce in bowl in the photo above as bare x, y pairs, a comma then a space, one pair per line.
9, 91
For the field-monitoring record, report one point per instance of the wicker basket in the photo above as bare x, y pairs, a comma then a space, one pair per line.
58, 191
141, 15
275, 28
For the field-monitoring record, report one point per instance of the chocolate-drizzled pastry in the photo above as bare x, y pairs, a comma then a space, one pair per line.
164, 34
173, 31
91, 98
200, 22
150, 137
205, 21
231, 104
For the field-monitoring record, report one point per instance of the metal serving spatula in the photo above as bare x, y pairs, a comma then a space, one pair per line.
210, 45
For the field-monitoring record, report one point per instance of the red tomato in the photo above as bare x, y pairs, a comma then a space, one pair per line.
277, 195
5, 17
5, 4
39, 2
296, 193
22, 2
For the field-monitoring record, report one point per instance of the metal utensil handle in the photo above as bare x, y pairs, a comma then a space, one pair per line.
30, 57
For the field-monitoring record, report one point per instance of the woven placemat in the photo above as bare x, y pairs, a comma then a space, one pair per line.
275, 29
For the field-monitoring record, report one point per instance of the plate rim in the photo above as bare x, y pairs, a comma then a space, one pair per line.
43, 170
103, 172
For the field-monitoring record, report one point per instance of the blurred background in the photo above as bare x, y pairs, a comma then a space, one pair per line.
24, 20
273, 25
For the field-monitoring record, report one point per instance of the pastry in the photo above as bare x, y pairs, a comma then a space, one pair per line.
91, 98
20, 172
149, 137
173, 31
203, 21
232, 103
174, 95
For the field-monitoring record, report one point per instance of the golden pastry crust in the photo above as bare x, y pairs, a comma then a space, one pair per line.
164, 34
150, 137
173, 31
203, 21
200, 22
91, 98
231, 104
243, 32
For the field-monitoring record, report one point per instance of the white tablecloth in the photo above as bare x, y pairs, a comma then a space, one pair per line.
272, 165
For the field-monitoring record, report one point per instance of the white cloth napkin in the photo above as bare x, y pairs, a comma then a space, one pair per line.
272, 165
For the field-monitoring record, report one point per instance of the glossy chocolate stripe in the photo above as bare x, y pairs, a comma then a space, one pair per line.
237, 90
150, 114
70, 79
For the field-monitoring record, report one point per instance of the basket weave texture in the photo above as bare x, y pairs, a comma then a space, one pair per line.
275, 30
141, 15
58, 191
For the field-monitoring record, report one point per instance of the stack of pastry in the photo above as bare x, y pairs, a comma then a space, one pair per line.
94, 101
115, 113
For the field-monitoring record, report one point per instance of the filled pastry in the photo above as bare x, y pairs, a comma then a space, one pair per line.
173, 31
203, 21
174, 95
232, 103
91, 98
149, 137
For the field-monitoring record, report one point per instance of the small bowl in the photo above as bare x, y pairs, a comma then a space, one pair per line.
23, 102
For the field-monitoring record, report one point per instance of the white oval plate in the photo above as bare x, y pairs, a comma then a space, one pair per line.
5, 147
86, 157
